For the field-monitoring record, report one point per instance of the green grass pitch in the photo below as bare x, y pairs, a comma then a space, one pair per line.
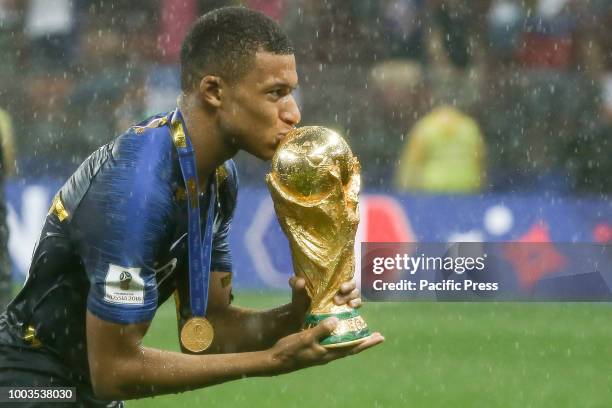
435, 355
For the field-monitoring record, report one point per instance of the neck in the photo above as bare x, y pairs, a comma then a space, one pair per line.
208, 145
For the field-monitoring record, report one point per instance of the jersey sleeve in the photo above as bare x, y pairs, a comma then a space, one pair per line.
121, 223
227, 178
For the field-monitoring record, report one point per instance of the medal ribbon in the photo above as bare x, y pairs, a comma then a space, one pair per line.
199, 250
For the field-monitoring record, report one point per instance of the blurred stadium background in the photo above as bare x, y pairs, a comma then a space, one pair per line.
474, 121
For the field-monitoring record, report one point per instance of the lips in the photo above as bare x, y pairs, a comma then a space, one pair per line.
282, 135
279, 139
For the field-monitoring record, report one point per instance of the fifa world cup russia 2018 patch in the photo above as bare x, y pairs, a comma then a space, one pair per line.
123, 285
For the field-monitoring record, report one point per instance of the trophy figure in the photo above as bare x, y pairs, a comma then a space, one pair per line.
315, 185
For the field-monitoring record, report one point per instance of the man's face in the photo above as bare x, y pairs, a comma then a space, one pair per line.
259, 110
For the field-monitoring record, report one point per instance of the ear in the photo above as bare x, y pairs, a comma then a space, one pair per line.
211, 90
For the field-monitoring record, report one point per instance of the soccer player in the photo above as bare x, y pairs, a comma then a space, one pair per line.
115, 242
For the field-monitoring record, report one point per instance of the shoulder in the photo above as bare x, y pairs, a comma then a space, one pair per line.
227, 175
147, 142
143, 158
137, 163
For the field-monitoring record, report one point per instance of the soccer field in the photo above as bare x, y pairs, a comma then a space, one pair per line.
435, 355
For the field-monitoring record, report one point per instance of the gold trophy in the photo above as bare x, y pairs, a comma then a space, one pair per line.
315, 185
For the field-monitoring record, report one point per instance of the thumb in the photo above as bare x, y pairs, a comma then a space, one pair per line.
325, 328
297, 284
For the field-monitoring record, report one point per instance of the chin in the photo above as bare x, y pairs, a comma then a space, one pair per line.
265, 155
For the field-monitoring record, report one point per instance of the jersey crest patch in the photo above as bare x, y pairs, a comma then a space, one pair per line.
123, 285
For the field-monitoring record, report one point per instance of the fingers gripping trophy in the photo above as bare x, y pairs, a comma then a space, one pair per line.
315, 185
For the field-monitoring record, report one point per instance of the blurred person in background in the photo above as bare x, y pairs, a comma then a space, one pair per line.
458, 23
7, 170
549, 37
333, 33
50, 26
558, 96
444, 153
539, 97
12, 44
399, 96
403, 29
587, 156
455, 57
107, 82
47, 138
504, 25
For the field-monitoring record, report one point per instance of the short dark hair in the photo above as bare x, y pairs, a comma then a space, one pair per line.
224, 41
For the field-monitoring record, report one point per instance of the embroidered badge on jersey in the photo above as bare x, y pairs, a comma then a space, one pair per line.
123, 285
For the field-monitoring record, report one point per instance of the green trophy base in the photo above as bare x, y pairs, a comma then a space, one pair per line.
351, 329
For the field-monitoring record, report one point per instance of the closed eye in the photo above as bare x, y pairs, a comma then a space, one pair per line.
279, 92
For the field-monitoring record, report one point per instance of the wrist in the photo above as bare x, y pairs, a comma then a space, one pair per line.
271, 361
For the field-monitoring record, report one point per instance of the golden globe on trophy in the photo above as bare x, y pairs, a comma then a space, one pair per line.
315, 185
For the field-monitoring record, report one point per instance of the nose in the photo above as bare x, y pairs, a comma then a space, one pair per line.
290, 112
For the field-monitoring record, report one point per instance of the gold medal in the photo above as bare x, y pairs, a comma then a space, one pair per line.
197, 334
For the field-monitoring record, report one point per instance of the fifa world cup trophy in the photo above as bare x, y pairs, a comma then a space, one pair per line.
315, 184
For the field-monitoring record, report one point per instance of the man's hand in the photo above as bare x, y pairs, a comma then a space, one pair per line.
301, 350
347, 294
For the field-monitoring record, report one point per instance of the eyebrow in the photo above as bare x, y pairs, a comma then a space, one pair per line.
283, 84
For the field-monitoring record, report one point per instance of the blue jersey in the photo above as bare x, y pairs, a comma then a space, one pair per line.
114, 243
